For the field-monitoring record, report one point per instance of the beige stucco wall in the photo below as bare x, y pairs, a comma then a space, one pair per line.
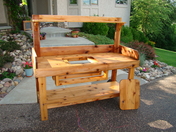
62, 7
110, 9
2, 13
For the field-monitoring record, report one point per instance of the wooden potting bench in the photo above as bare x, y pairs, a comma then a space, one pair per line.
56, 62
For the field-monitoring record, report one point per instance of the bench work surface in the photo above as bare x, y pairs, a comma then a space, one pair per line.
59, 65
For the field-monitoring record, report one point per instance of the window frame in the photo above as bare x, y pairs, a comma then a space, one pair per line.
73, 4
90, 3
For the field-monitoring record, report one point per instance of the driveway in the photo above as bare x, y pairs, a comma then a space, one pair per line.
157, 113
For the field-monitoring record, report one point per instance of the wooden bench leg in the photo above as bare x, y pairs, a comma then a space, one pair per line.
42, 98
131, 73
114, 75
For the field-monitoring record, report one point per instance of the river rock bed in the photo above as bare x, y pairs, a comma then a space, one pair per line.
23, 55
146, 72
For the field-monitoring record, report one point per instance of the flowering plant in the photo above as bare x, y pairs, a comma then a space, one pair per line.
155, 64
143, 69
27, 65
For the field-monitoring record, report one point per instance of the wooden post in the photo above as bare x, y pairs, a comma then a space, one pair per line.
116, 47
42, 98
36, 37
131, 73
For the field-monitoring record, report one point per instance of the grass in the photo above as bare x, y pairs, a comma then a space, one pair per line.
97, 39
169, 57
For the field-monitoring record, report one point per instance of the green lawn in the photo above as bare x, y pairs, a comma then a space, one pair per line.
169, 57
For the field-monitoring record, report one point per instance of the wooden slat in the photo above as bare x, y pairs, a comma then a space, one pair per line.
81, 79
79, 75
129, 52
67, 50
82, 94
129, 94
72, 18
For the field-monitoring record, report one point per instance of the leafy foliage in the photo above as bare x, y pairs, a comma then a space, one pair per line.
16, 13
150, 16
5, 58
95, 28
97, 39
7, 74
142, 48
9, 46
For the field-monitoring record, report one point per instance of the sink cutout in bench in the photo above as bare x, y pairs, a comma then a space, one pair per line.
79, 60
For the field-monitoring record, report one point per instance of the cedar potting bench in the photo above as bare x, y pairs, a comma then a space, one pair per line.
56, 62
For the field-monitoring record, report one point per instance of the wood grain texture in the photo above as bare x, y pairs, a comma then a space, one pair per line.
36, 37
82, 94
54, 65
129, 94
129, 52
72, 18
67, 50
80, 79
42, 98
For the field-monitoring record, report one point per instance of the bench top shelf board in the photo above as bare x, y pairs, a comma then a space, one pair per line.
59, 65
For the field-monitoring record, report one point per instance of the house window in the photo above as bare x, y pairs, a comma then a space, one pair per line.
90, 2
73, 2
124, 2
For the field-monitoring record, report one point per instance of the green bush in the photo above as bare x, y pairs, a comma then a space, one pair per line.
142, 48
7, 74
5, 58
126, 35
141, 58
9, 46
111, 30
97, 39
138, 36
95, 28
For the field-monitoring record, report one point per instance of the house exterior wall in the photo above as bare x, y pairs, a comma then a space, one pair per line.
3, 19
62, 7
109, 8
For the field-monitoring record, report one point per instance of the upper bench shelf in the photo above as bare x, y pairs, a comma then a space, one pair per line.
61, 18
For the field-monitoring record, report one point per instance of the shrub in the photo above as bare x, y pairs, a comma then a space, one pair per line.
126, 35
7, 74
139, 36
141, 58
9, 46
5, 58
111, 30
142, 49
95, 28
97, 39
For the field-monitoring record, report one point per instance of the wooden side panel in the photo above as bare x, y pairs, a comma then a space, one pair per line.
67, 50
129, 52
36, 37
34, 63
71, 18
129, 94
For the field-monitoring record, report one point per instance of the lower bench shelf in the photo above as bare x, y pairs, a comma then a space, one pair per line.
81, 94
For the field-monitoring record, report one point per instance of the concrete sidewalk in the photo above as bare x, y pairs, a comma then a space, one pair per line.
25, 92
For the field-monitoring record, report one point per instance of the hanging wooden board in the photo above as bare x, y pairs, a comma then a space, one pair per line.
129, 94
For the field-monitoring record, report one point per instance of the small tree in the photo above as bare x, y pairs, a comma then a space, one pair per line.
16, 12
150, 16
